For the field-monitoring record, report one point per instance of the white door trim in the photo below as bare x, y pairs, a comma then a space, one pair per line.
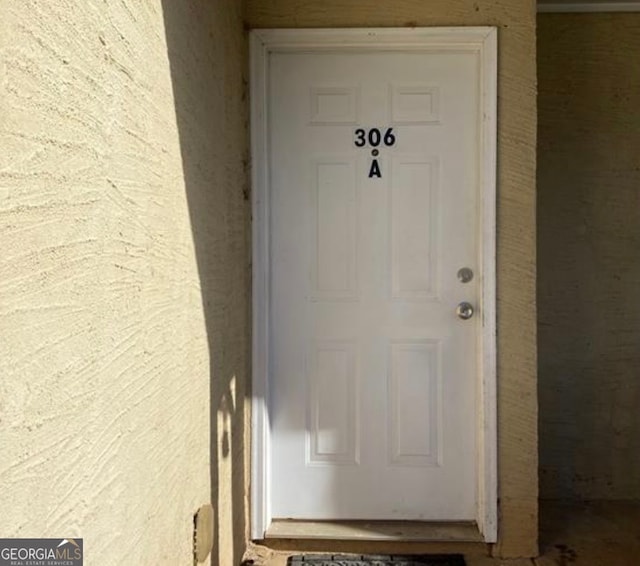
482, 40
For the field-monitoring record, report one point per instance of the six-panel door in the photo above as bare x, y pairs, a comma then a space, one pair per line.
372, 380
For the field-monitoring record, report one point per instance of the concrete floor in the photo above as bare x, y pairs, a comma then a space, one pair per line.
603, 533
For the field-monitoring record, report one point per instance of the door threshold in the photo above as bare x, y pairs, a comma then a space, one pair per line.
414, 531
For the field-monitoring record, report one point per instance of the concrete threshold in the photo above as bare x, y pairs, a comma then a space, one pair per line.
407, 531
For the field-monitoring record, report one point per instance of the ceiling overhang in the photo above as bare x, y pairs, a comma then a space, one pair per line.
577, 6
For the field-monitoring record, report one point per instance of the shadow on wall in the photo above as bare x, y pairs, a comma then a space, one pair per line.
588, 269
207, 53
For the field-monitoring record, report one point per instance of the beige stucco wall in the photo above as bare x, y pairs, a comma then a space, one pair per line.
589, 273
123, 272
517, 399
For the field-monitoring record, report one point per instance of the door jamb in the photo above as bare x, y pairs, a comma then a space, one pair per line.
481, 40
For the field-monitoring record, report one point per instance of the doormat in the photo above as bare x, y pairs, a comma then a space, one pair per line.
377, 560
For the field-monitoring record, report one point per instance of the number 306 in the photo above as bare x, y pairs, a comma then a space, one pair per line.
374, 137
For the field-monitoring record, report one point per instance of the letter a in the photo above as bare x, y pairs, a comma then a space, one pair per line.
375, 170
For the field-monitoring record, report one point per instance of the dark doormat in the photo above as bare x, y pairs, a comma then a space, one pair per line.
377, 560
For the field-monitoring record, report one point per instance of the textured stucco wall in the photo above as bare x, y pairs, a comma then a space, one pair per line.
208, 54
589, 268
518, 458
113, 264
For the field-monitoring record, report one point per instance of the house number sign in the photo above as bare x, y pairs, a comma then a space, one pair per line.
374, 138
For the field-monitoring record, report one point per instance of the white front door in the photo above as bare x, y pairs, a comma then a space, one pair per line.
374, 169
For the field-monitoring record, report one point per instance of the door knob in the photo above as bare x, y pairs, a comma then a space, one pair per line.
464, 310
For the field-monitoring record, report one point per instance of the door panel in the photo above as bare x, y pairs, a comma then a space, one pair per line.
373, 377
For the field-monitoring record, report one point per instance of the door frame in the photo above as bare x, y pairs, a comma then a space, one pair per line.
479, 40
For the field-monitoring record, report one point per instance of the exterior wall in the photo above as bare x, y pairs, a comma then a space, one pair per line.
112, 317
209, 59
589, 213
516, 224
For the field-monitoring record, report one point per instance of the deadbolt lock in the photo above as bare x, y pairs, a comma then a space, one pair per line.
465, 274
